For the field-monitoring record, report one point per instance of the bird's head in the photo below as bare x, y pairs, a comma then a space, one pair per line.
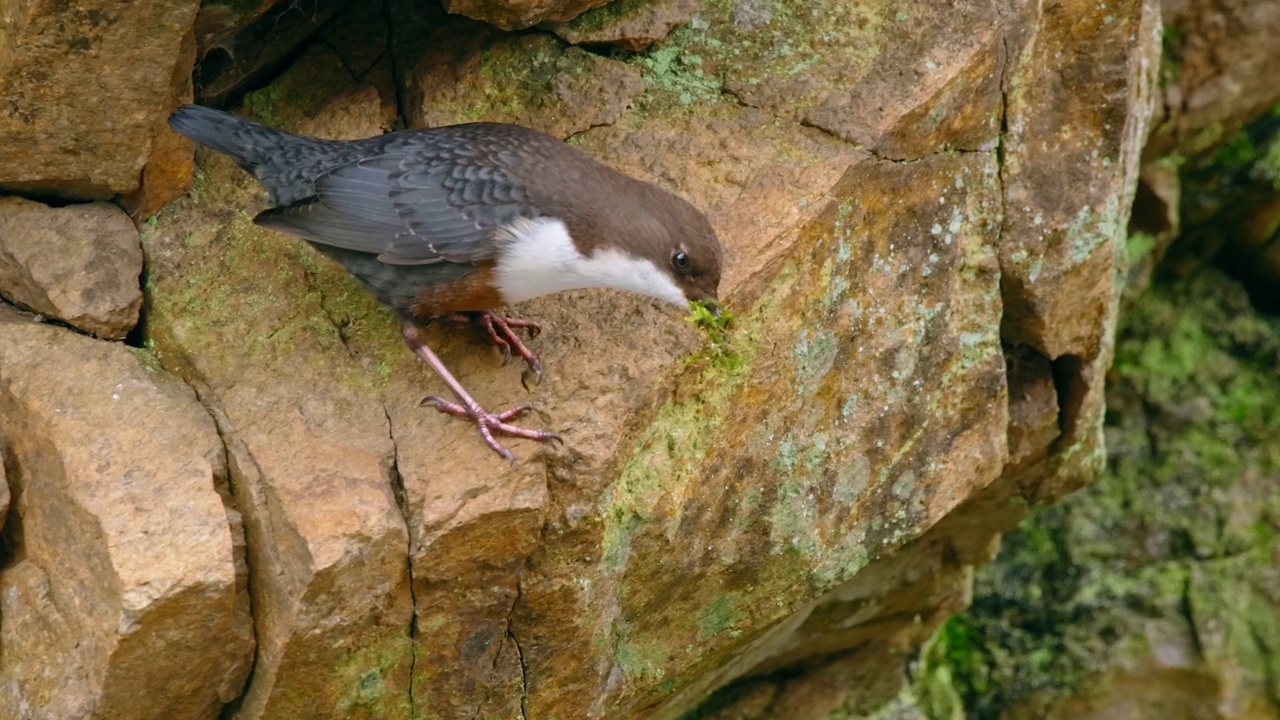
676, 239
613, 231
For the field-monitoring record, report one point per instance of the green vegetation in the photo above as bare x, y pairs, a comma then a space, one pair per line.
673, 69
719, 615
1176, 538
716, 325
592, 21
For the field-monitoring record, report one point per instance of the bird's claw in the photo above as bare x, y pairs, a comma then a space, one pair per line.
490, 424
534, 371
501, 332
506, 351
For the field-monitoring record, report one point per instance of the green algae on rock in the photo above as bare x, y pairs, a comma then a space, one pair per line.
1162, 573
716, 326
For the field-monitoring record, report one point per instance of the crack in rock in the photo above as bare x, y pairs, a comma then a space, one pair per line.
402, 502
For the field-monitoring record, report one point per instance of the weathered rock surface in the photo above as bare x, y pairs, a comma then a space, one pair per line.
169, 164
1229, 214
220, 20
79, 264
83, 89
1220, 74
1060, 254
518, 14
311, 453
1221, 69
1155, 592
126, 595
472, 73
814, 497
628, 25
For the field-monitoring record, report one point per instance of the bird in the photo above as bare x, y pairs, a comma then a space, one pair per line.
451, 223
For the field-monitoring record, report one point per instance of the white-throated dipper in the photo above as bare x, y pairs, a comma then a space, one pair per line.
451, 222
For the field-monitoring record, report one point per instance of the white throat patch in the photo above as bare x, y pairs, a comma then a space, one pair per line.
539, 258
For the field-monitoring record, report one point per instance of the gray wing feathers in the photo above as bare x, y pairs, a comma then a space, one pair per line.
411, 198
313, 220
357, 207
425, 215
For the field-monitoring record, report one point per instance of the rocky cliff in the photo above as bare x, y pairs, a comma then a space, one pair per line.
242, 509
1155, 592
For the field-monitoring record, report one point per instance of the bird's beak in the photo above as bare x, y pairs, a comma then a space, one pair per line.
713, 305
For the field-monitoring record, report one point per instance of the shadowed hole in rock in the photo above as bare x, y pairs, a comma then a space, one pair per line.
137, 337
1069, 381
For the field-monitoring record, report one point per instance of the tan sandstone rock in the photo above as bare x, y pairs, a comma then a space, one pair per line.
169, 164
83, 89
545, 580
629, 25
126, 594
1220, 83
472, 73
78, 263
1222, 69
311, 452
238, 42
1067, 199
815, 497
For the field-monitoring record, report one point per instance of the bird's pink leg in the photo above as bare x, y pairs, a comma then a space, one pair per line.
501, 331
466, 407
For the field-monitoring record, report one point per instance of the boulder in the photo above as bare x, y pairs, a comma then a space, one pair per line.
85, 88
126, 596
167, 173
628, 25
472, 73
79, 264
313, 472
242, 43
1220, 70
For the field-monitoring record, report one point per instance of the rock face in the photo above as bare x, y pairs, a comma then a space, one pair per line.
127, 597
314, 473
84, 88
923, 274
472, 73
1221, 69
79, 264
238, 42
169, 164
628, 25
1155, 591
1214, 134
518, 14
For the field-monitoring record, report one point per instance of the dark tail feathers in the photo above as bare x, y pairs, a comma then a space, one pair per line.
247, 142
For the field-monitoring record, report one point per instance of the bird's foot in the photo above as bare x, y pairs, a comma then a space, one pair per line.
466, 407
491, 424
501, 331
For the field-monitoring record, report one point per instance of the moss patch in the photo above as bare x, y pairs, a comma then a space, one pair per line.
365, 683
1173, 545
716, 326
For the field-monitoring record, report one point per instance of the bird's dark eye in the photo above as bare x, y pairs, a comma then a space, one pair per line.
680, 260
